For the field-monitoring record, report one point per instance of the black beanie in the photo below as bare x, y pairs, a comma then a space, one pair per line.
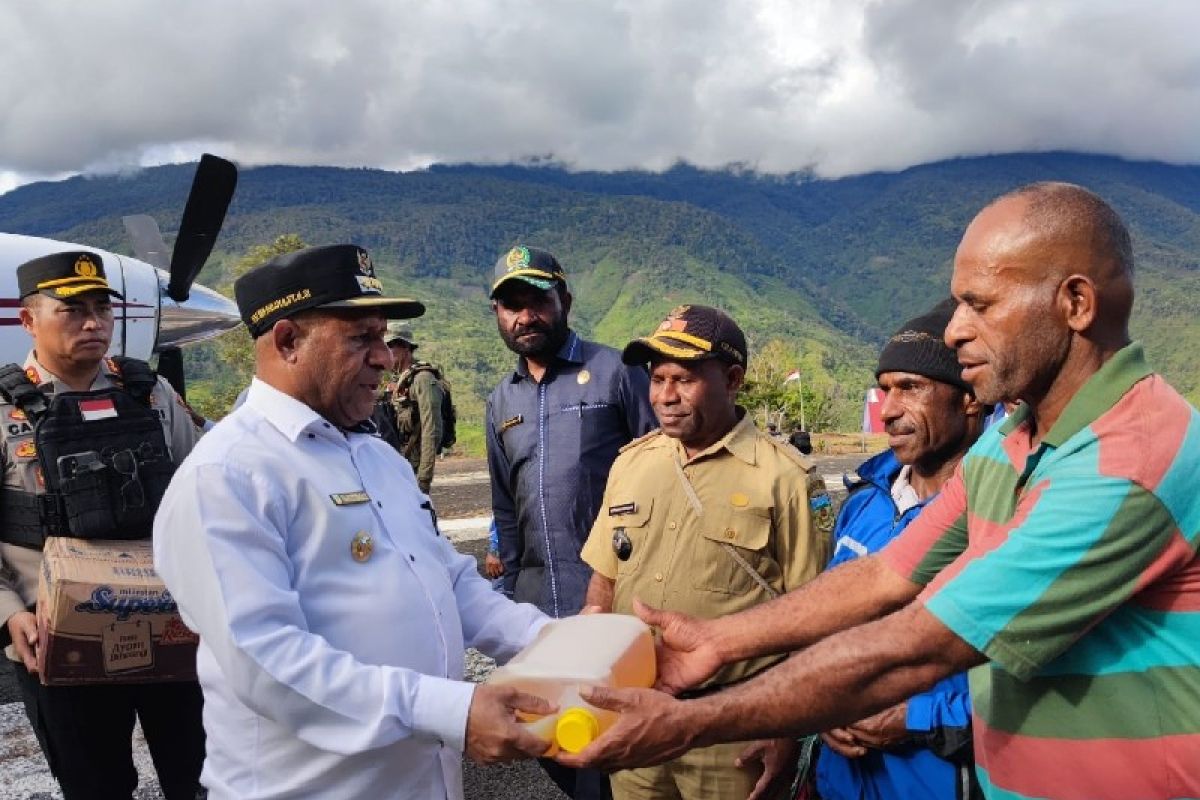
919, 347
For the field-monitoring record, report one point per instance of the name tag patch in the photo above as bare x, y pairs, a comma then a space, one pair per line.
350, 498
622, 508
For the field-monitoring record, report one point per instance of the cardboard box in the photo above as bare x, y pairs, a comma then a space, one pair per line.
104, 616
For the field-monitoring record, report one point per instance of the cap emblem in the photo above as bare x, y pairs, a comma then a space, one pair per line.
85, 267
674, 321
518, 258
364, 264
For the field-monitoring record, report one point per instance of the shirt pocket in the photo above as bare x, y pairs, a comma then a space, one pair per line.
635, 525
747, 530
599, 424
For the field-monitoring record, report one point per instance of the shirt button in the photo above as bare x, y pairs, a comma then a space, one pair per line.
658, 576
672, 525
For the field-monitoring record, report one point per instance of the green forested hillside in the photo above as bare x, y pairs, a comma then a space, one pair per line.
826, 268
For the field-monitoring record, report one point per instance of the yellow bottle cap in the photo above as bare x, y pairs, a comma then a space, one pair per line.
576, 729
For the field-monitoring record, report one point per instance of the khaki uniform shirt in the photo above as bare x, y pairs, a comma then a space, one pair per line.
19, 566
420, 424
755, 496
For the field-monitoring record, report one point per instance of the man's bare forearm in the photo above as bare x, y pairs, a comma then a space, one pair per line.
859, 591
600, 592
837, 681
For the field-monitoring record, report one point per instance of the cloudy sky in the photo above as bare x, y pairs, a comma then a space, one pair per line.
841, 87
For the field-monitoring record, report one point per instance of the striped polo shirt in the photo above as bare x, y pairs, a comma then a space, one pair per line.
1073, 567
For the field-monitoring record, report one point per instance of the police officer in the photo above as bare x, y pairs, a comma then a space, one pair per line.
86, 731
416, 395
706, 515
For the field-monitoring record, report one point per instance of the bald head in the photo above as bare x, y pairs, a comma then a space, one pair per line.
1044, 281
1084, 235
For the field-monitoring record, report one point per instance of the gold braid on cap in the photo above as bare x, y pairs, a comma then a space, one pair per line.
685, 338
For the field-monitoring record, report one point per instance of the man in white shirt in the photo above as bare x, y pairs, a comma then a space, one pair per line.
332, 615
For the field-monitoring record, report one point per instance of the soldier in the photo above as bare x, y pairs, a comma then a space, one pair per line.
86, 731
709, 516
416, 395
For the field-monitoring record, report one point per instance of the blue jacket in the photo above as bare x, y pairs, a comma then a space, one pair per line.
938, 764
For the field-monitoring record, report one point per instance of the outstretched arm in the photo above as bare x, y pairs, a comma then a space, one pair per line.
854, 593
842, 679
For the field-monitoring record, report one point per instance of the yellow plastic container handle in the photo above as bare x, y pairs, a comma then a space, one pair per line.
576, 729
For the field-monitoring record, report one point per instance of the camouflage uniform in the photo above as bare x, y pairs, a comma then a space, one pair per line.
419, 421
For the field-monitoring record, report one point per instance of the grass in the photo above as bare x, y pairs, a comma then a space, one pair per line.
848, 443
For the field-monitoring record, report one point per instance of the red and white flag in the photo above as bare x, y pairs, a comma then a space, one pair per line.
794, 375
872, 421
92, 410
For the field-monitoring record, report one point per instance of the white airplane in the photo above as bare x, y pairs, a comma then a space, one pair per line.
162, 309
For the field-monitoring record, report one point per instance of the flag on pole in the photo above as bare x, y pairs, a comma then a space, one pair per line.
872, 421
794, 375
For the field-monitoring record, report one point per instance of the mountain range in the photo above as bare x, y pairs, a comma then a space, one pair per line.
826, 267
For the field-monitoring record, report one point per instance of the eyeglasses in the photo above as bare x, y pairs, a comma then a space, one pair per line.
125, 462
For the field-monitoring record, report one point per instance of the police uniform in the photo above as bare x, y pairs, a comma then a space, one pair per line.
726, 530
86, 731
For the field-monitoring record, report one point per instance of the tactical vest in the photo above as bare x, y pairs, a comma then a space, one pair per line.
103, 457
408, 416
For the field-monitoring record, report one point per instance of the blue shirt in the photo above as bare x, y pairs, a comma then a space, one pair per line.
550, 446
936, 764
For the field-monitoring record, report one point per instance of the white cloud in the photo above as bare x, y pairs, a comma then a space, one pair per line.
839, 86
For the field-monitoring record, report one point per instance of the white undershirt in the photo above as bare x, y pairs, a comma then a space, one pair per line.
903, 494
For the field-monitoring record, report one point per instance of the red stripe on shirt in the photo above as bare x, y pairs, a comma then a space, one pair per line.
1089, 769
1150, 411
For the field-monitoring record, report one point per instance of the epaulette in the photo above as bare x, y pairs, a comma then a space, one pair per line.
134, 376
197, 418
644, 438
806, 463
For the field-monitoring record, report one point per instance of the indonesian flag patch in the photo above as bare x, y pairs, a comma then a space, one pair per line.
92, 410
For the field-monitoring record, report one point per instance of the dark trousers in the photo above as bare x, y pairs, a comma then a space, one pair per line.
86, 733
578, 784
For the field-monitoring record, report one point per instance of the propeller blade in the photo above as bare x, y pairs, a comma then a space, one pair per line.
148, 244
170, 366
212, 190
